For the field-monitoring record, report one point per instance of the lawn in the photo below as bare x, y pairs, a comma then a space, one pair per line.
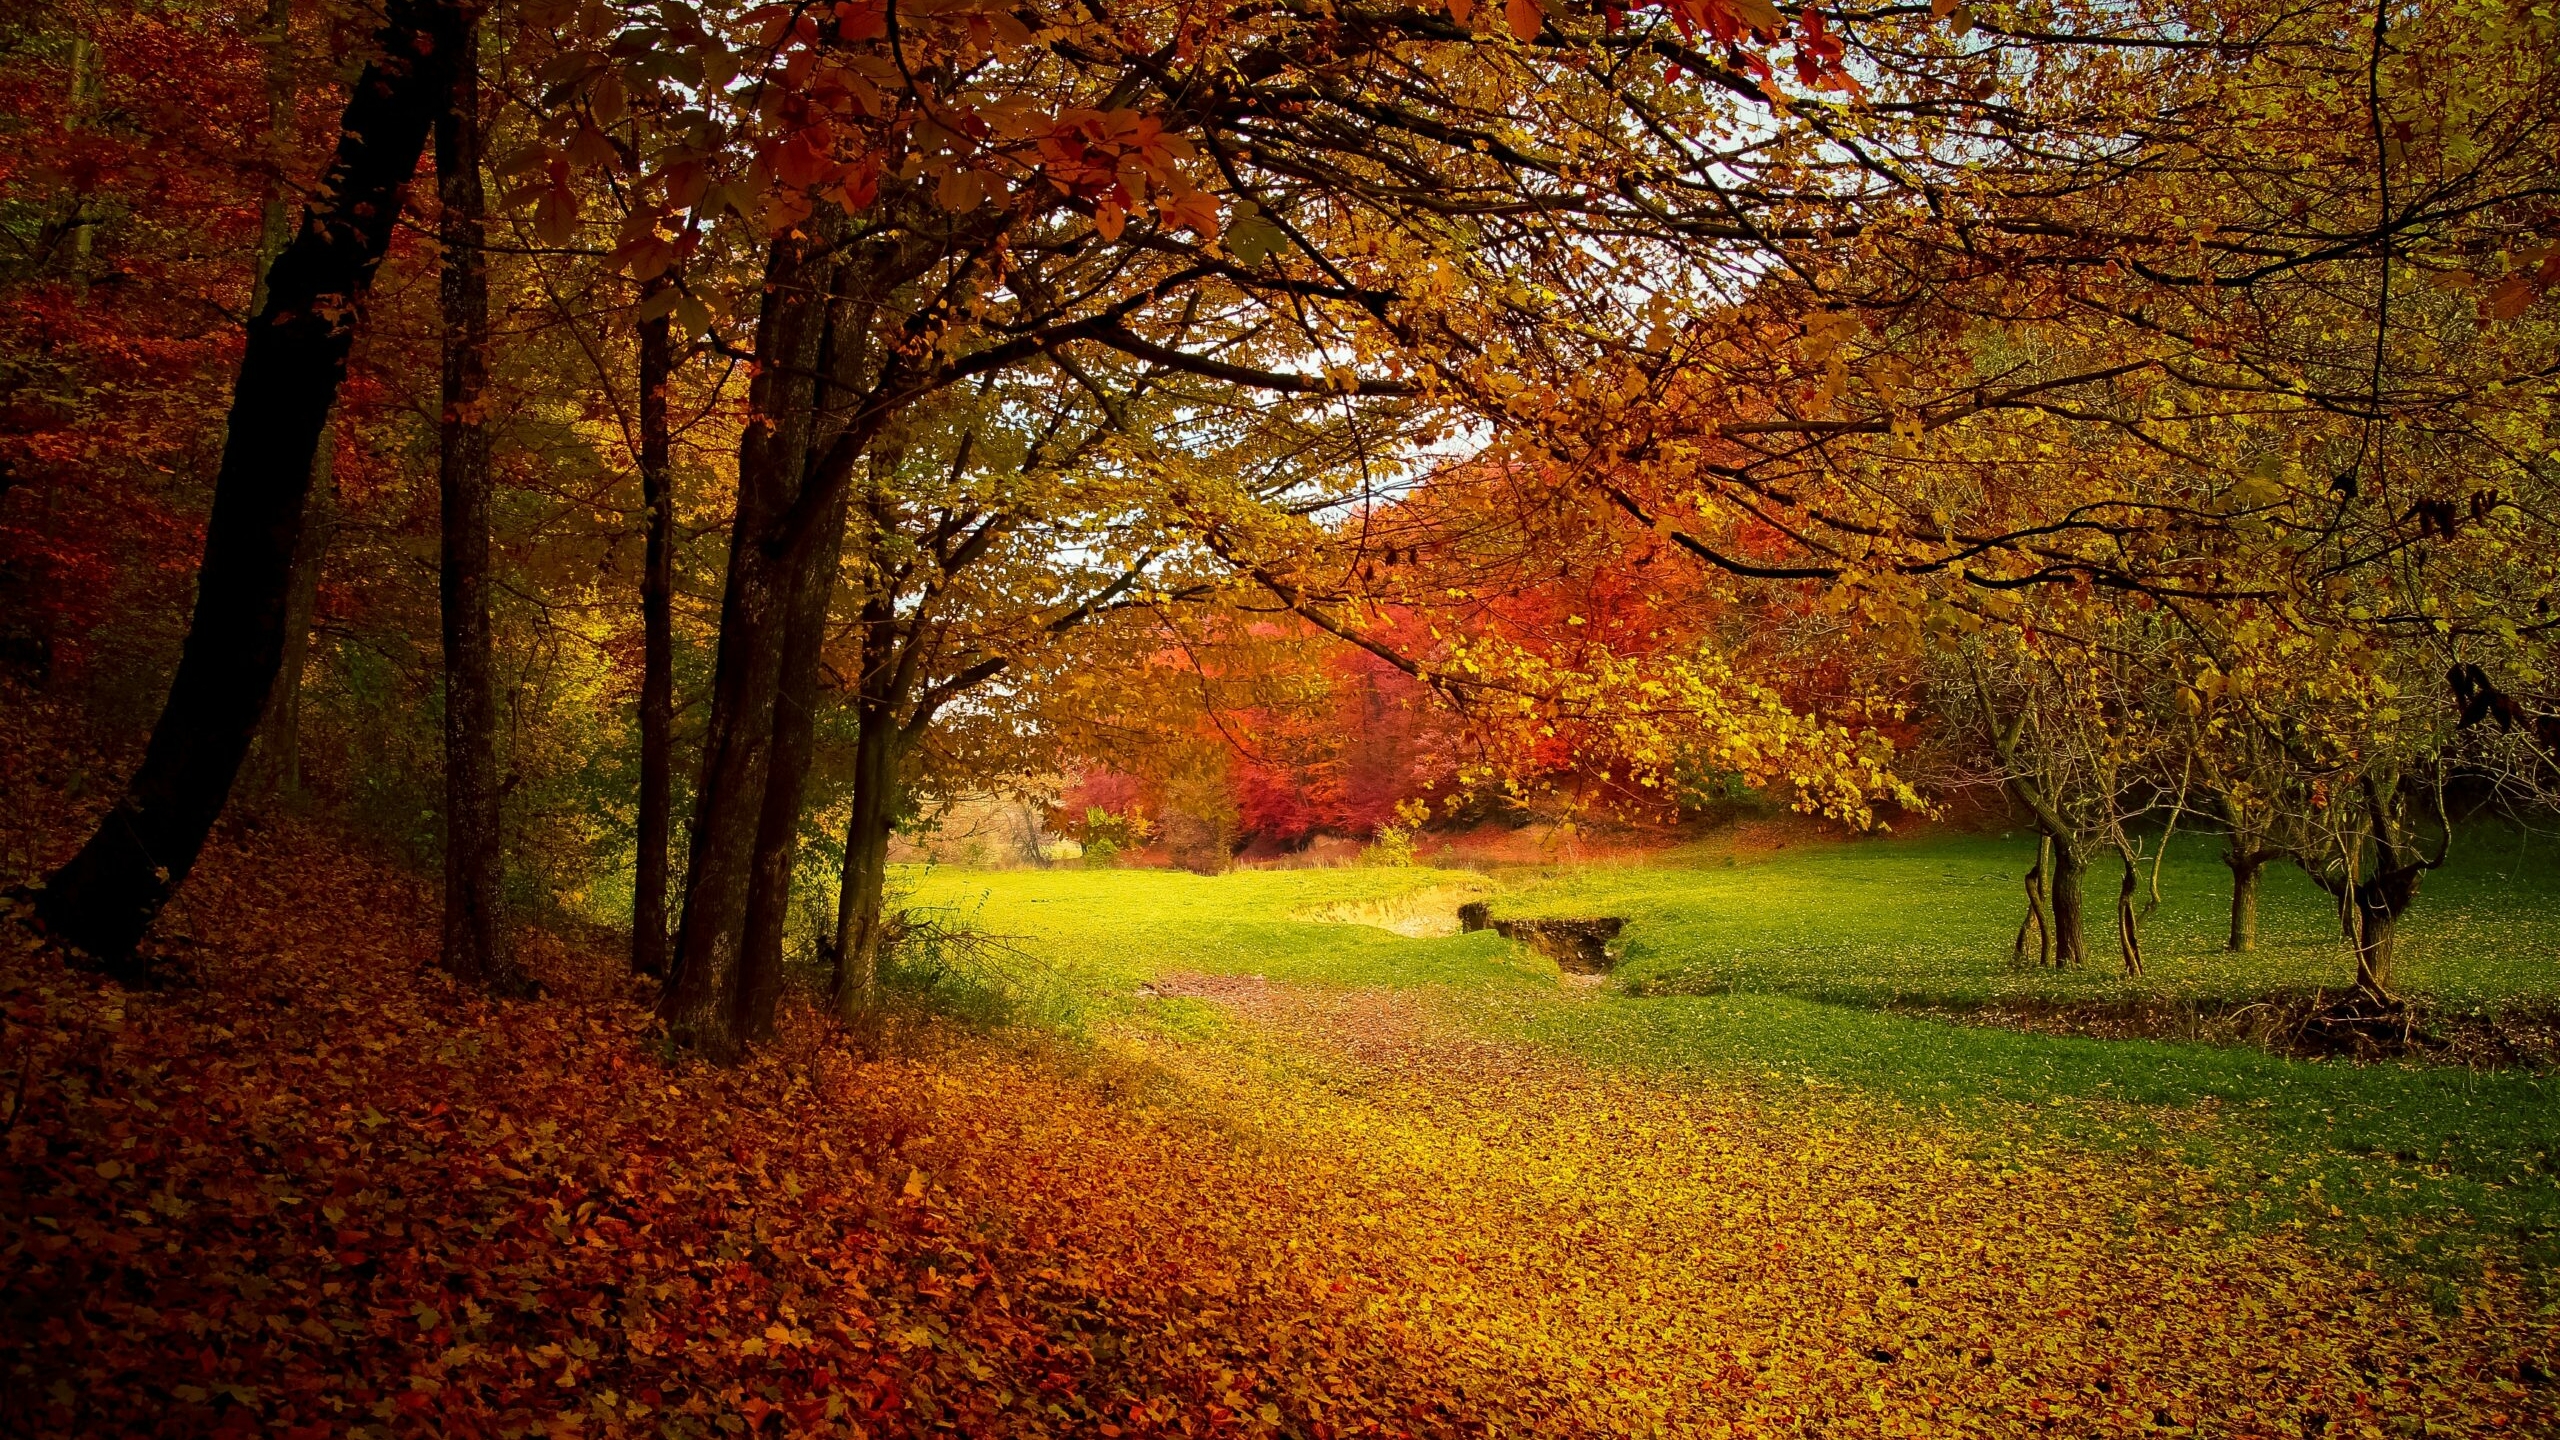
1931, 922
1772, 975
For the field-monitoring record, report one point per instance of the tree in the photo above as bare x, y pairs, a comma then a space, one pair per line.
657, 621
474, 934
106, 896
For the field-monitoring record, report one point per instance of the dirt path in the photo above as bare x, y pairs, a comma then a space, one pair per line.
1699, 1263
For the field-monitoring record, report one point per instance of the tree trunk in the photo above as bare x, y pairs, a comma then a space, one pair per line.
274, 765
85, 67
816, 551
657, 647
2374, 908
275, 756
474, 947
2246, 866
861, 899
2377, 929
275, 221
2070, 938
2037, 917
106, 896
813, 588
2128, 925
700, 1005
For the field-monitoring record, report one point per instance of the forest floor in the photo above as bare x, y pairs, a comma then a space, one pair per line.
1298, 1179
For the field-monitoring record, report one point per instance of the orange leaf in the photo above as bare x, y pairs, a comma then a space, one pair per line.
1525, 17
555, 215
2508, 298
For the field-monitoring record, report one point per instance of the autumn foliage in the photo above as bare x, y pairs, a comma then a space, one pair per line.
321, 1189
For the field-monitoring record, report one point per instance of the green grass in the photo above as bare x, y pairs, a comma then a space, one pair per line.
1106, 932
1787, 962
1931, 922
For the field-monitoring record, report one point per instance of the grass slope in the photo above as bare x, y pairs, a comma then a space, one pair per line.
2451, 1167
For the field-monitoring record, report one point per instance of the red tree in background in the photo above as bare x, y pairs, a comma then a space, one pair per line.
120, 297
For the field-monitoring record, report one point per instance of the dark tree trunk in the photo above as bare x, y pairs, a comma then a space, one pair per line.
2070, 936
657, 647
2378, 929
700, 1005
813, 587
861, 899
106, 897
2246, 866
817, 549
474, 947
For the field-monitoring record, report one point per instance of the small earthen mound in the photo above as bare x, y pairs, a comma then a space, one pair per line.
1579, 947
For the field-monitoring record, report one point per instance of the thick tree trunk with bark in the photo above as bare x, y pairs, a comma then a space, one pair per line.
2070, 934
2374, 908
816, 551
699, 1007
657, 647
474, 942
106, 896
813, 588
2246, 868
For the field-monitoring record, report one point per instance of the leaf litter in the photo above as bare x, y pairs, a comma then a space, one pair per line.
311, 1188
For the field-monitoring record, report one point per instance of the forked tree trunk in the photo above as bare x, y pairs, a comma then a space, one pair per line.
474, 946
657, 646
2246, 867
700, 1006
813, 587
2070, 934
816, 551
107, 895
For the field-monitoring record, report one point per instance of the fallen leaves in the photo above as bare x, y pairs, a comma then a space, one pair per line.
317, 1190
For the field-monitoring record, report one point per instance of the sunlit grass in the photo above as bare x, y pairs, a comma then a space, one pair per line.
1790, 959
1932, 921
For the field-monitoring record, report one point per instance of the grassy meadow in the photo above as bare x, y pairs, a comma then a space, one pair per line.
1788, 975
